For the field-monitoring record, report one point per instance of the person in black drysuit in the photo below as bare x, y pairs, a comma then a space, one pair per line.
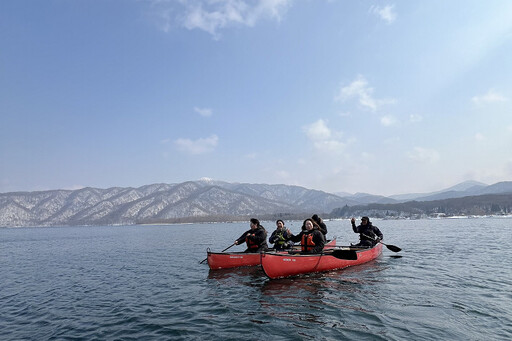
311, 239
256, 237
321, 225
369, 235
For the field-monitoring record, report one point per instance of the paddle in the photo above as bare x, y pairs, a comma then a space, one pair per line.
337, 253
390, 247
230, 246
344, 254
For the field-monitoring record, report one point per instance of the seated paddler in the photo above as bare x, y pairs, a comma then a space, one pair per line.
311, 239
256, 237
369, 234
281, 237
321, 225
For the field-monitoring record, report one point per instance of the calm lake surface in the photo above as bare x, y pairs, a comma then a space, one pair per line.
454, 282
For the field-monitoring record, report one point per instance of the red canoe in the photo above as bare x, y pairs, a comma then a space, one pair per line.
279, 265
226, 260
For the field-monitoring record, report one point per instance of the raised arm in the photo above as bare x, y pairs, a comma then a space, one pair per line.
354, 227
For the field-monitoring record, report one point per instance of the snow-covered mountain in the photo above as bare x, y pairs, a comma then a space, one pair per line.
204, 199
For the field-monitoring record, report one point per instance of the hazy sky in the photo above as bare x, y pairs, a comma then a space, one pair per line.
383, 97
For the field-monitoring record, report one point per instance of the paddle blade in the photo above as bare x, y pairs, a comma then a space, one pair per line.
393, 248
345, 254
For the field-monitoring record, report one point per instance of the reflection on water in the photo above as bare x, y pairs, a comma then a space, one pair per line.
251, 276
222, 274
299, 302
317, 298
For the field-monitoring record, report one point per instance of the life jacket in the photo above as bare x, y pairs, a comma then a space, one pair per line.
280, 241
307, 242
250, 243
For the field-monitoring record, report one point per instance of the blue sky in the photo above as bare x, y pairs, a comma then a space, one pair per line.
341, 96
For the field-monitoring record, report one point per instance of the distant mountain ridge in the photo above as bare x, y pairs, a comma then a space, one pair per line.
466, 199
480, 205
465, 188
195, 201
188, 201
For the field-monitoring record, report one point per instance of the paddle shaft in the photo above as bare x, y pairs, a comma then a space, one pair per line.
230, 246
337, 253
389, 246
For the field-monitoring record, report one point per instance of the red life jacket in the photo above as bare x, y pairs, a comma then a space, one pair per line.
307, 242
250, 243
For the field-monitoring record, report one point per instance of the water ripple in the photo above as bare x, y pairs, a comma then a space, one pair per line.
133, 283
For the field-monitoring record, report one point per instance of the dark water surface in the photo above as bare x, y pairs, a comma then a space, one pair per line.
454, 282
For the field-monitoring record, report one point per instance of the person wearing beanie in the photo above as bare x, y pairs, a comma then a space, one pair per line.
281, 237
321, 225
369, 235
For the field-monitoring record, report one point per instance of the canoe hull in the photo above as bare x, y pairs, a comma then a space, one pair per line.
277, 265
226, 260
232, 260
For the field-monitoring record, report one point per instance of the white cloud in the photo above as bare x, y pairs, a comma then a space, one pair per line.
479, 137
362, 92
490, 97
358, 89
415, 118
332, 146
424, 155
205, 112
386, 13
322, 137
388, 121
199, 146
318, 131
214, 15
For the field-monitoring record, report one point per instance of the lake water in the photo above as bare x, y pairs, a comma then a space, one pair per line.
454, 282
